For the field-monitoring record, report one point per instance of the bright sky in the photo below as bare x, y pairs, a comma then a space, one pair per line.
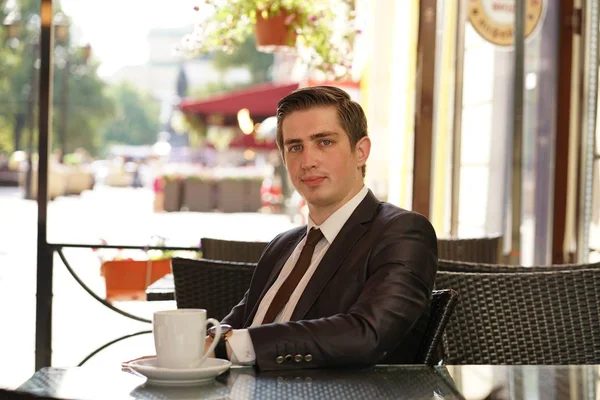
117, 29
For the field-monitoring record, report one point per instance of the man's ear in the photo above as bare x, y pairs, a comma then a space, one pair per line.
362, 151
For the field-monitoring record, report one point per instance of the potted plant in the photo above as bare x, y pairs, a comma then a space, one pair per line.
321, 32
127, 273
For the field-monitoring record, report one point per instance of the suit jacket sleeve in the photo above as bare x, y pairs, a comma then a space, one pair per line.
235, 318
401, 273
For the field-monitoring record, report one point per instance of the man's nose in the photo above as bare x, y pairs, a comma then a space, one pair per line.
309, 158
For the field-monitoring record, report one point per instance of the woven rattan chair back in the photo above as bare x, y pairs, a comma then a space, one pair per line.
231, 250
523, 318
214, 285
479, 250
462, 266
442, 305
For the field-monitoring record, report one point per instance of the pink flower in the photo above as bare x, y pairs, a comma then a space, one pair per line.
289, 19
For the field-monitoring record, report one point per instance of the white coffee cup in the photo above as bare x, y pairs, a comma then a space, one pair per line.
179, 337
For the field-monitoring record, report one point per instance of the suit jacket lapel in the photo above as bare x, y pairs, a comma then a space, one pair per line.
283, 256
350, 233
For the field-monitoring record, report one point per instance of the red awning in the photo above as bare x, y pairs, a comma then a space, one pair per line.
260, 100
243, 141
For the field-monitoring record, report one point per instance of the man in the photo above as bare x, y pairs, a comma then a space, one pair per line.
353, 287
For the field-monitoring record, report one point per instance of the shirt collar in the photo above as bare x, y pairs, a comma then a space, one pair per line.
333, 225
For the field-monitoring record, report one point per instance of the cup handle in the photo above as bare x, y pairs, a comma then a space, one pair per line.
217, 324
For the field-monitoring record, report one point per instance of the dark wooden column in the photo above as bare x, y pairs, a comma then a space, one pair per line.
424, 108
570, 25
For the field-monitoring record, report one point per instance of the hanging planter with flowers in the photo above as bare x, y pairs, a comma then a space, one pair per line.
274, 32
320, 32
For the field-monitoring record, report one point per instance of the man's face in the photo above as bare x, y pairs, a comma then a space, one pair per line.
322, 166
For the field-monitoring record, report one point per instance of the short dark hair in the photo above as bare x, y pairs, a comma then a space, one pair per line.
350, 114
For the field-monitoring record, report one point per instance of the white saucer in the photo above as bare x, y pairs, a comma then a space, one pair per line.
210, 369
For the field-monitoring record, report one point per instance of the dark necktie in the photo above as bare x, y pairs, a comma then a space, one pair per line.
287, 288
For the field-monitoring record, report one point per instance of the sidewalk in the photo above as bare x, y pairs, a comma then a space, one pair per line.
81, 324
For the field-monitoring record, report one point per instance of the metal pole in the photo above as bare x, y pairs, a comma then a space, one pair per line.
43, 326
461, 20
517, 155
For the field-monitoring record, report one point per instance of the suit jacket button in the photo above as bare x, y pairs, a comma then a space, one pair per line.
298, 358
279, 360
288, 358
308, 358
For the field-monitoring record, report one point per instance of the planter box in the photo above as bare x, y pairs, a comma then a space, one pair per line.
57, 181
128, 279
199, 195
253, 201
231, 195
79, 180
239, 195
172, 199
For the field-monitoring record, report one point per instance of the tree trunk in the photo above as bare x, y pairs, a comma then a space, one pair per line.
18, 130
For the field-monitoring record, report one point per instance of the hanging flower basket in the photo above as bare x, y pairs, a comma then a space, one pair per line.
274, 32
320, 32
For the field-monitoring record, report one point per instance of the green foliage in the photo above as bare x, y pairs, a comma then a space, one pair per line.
137, 117
87, 106
323, 43
210, 89
245, 55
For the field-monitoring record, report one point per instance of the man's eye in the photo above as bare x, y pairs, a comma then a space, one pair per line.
295, 148
326, 142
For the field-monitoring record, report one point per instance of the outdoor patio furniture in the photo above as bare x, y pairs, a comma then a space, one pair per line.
462, 266
481, 250
442, 306
232, 250
524, 318
216, 286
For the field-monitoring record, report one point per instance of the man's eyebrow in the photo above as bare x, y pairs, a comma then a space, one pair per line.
292, 141
314, 136
323, 134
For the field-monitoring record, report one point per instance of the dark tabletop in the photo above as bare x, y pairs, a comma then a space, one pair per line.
162, 289
380, 382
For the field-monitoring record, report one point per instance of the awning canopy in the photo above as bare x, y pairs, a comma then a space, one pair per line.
243, 141
261, 100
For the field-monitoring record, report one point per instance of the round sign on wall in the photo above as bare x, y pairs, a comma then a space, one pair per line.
494, 20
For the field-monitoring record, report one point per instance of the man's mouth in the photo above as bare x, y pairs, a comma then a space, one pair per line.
313, 180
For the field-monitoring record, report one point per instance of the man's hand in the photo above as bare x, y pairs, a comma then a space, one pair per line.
207, 343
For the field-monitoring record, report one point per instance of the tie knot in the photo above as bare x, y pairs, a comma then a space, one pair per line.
314, 236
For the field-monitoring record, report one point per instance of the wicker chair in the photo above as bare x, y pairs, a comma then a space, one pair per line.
442, 305
214, 285
524, 318
231, 250
462, 266
479, 250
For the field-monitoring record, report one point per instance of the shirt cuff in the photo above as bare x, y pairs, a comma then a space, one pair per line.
241, 347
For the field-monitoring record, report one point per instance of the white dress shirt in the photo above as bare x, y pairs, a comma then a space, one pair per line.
242, 349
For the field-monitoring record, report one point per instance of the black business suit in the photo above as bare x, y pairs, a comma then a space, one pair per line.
367, 302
